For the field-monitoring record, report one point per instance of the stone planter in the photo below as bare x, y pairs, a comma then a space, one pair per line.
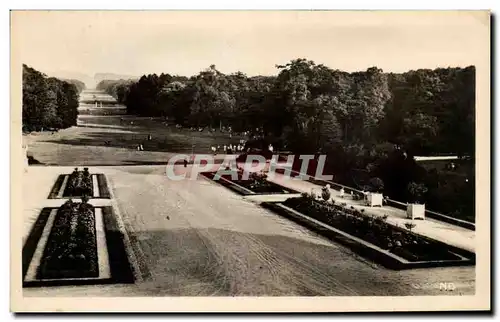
374, 199
415, 211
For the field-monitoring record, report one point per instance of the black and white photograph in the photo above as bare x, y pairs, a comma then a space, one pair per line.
290, 160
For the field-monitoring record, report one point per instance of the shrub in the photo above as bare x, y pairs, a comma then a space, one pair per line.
416, 192
376, 185
358, 196
79, 183
325, 194
410, 225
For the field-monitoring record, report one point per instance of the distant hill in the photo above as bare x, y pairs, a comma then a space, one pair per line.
111, 76
66, 75
90, 82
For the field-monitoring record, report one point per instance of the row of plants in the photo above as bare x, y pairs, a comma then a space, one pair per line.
375, 230
71, 249
79, 184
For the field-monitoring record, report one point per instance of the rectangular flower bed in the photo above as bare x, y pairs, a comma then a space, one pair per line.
71, 248
75, 244
372, 237
78, 184
256, 184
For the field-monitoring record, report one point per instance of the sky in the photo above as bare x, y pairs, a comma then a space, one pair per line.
253, 42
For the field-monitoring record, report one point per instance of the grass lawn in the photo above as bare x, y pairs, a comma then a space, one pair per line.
113, 140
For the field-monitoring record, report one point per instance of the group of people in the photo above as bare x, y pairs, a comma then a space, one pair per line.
229, 149
140, 147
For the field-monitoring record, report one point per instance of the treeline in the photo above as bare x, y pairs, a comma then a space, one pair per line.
368, 123
313, 107
48, 103
119, 89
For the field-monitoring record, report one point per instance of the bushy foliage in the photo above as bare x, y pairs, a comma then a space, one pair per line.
376, 184
80, 86
325, 193
79, 183
71, 250
48, 103
416, 192
410, 225
314, 108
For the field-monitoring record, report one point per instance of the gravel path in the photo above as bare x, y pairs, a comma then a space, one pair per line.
198, 238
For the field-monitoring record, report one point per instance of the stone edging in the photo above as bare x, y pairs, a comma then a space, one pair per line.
367, 249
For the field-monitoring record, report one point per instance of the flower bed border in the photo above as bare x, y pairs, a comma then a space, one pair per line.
34, 236
367, 249
57, 186
120, 266
102, 185
243, 190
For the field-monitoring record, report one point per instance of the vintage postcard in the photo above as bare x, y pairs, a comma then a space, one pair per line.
250, 161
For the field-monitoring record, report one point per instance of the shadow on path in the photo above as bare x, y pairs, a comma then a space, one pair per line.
223, 262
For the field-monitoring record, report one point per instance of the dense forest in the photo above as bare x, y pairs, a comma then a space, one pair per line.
48, 102
368, 123
315, 108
